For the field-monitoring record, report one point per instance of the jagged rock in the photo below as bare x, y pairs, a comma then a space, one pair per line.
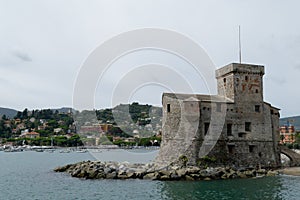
250, 173
181, 172
261, 171
231, 174
81, 174
165, 173
92, 174
63, 168
100, 175
164, 178
125, 170
175, 167
123, 176
189, 178
195, 176
131, 175
192, 170
272, 173
224, 176
112, 175
241, 175
152, 176
107, 170
221, 172
174, 176
75, 173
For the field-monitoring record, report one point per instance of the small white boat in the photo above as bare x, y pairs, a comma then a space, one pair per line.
97, 151
82, 151
12, 149
50, 150
65, 151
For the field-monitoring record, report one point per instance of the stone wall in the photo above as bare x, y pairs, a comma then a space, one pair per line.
180, 131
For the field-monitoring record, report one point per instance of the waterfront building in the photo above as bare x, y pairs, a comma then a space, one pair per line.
287, 134
235, 127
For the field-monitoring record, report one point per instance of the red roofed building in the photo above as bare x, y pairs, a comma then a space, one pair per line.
30, 135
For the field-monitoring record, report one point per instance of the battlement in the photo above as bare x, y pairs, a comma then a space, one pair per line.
240, 68
241, 82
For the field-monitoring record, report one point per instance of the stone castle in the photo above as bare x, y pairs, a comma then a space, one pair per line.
233, 128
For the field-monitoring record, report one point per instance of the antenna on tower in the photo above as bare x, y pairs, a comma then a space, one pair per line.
240, 45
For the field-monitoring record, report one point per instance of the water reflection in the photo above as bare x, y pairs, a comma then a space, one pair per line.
259, 188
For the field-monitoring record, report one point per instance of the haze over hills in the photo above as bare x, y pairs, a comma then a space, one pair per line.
291, 120
11, 113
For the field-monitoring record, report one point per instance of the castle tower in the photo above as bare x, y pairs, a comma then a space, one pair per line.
241, 82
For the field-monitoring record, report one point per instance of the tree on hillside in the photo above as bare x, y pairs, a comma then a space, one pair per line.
25, 113
4, 117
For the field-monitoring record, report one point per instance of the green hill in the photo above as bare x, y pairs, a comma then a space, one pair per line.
10, 113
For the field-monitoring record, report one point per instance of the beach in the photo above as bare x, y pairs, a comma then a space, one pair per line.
294, 171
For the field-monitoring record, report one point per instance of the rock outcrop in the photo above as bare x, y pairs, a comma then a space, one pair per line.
150, 171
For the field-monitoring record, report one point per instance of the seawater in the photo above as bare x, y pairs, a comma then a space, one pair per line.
29, 175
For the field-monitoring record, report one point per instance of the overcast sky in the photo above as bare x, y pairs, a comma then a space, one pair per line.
43, 44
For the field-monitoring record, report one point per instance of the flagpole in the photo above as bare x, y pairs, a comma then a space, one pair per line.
240, 46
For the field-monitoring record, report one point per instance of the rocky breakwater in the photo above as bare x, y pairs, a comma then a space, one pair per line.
125, 170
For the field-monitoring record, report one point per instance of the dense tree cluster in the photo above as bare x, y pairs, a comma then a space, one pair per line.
53, 126
61, 141
5, 130
41, 121
138, 113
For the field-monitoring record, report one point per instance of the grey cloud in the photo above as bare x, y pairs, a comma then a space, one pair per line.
297, 67
23, 56
59, 47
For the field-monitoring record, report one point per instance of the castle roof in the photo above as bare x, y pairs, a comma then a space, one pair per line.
199, 97
240, 68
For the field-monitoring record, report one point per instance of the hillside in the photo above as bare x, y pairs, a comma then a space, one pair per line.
129, 117
63, 110
10, 113
292, 120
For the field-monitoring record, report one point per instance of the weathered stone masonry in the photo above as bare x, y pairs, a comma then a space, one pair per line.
235, 127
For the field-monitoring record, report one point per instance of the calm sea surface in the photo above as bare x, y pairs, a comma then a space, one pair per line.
29, 175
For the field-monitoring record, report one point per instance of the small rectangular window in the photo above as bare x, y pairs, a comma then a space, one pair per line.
248, 126
242, 135
206, 127
231, 149
257, 108
229, 129
251, 148
168, 108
